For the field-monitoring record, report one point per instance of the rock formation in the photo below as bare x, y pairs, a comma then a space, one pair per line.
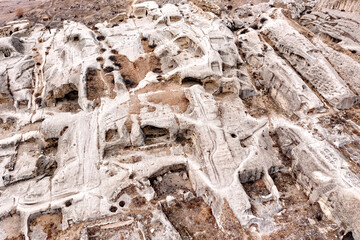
193, 120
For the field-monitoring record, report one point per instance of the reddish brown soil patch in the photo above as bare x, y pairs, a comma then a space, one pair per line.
153, 135
73, 232
128, 124
8, 129
20, 237
7, 124
134, 72
110, 83
160, 86
6, 101
95, 87
11, 227
146, 46
64, 98
9, 9
151, 109
352, 153
134, 104
300, 218
111, 134
262, 106
231, 224
138, 201
50, 224
257, 188
176, 99
69, 107
171, 183
53, 12
192, 218
50, 146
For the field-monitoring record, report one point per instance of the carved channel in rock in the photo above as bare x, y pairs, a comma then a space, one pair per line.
299, 218
153, 135
154, 124
189, 214
27, 153
189, 81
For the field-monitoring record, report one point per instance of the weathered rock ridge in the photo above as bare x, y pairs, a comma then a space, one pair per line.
183, 121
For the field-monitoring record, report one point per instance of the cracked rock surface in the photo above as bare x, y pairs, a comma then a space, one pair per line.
182, 120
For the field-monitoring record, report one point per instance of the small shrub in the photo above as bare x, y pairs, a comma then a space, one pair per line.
244, 31
262, 20
108, 69
19, 13
157, 70
128, 83
38, 101
112, 58
152, 45
100, 38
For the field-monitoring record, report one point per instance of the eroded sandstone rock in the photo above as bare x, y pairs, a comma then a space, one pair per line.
182, 121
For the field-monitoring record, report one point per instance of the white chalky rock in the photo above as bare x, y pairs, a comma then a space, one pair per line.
112, 128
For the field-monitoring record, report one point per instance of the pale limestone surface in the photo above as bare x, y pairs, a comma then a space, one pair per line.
232, 107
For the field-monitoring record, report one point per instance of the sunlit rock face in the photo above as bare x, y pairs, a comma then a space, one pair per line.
193, 120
